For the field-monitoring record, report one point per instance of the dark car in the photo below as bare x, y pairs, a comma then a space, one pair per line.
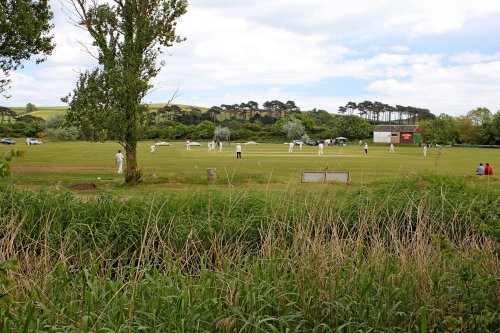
8, 141
311, 143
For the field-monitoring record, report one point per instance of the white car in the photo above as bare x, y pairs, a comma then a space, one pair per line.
162, 143
251, 143
194, 144
31, 141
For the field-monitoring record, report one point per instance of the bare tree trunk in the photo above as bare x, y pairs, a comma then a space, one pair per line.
132, 175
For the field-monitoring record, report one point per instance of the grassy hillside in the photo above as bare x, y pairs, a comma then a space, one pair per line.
156, 106
48, 111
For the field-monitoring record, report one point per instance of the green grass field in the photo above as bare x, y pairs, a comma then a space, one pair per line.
48, 112
262, 165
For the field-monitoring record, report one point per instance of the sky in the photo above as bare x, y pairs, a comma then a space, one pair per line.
441, 55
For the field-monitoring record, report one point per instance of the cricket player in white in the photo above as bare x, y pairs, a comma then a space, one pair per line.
320, 150
119, 161
290, 147
238, 151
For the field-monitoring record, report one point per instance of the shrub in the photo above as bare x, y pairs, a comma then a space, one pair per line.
63, 134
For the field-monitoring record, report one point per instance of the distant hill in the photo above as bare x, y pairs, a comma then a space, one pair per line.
49, 111
45, 112
156, 106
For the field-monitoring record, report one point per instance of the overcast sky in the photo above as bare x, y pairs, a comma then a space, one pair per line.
442, 55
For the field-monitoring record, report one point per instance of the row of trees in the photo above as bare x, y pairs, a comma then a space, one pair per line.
381, 113
478, 126
249, 111
272, 111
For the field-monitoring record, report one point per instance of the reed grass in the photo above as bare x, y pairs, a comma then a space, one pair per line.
420, 255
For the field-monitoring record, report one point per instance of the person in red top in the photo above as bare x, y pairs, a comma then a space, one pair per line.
488, 171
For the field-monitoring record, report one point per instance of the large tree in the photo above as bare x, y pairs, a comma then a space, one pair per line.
442, 129
293, 128
24, 31
128, 36
351, 127
493, 129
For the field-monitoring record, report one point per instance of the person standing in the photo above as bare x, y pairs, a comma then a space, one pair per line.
480, 170
209, 146
366, 148
300, 144
391, 149
238, 151
425, 150
188, 145
119, 161
360, 143
488, 171
320, 149
290, 147
220, 146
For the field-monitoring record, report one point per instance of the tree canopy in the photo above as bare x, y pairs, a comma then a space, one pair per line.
222, 133
441, 130
352, 127
293, 128
378, 112
24, 31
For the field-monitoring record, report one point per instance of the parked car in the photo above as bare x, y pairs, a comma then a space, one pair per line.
8, 141
163, 143
297, 142
311, 143
31, 141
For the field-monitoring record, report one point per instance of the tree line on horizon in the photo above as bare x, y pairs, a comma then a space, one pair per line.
271, 111
378, 112
249, 121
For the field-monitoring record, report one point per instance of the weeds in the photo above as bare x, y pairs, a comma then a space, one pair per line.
407, 257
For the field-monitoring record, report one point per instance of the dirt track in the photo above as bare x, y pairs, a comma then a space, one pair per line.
58, 169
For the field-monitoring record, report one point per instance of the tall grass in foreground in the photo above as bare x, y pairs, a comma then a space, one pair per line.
420, 255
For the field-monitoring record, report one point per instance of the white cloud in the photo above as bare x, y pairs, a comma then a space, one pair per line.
247, 53
399, 49
277, 49
359, 17
452, 90
473, 57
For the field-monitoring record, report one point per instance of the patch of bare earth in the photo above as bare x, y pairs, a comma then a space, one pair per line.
57, 169
83, 187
